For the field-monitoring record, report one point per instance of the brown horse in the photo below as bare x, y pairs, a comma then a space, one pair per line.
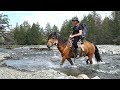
67, 50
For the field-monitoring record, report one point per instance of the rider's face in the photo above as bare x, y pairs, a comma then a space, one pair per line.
74, 23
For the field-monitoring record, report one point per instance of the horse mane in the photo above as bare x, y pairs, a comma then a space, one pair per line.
60, 38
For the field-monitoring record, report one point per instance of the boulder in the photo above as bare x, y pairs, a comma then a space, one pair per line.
83, 76
4, 56
96, 77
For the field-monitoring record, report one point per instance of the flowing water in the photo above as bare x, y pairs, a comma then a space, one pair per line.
33, 60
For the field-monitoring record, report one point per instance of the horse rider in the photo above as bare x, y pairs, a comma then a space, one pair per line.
77, 35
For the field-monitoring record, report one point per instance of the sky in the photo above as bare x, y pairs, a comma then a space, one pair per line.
43, 17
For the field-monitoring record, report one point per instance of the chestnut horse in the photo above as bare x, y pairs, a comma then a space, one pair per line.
67, 50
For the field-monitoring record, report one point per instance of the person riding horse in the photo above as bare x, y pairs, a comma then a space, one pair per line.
69, 48
77, 35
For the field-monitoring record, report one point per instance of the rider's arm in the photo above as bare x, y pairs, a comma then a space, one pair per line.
78, 34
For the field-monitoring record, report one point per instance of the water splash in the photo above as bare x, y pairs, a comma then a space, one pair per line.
94, 60
109, 72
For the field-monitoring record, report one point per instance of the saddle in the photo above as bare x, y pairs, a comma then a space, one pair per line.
70, 40
80, 50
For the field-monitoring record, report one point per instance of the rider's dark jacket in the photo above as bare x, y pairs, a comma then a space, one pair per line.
76, 30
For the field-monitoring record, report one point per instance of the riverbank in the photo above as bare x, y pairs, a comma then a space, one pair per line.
9, 73
104, 49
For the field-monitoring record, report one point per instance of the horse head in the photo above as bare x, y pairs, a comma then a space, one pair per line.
52, 39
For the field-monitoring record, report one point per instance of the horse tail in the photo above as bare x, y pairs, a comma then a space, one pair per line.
97, 54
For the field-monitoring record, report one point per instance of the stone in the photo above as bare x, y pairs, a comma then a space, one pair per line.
96, 77
83, 76
4, 56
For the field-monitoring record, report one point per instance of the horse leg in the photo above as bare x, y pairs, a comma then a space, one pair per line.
90, 58
70, 61
87, 61
63, 60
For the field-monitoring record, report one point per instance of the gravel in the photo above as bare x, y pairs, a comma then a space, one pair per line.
9, 73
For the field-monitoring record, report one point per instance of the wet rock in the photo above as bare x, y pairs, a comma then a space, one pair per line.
8, 73
4, 56
96, 77
83, 76
71, 77
1, 58
61, 77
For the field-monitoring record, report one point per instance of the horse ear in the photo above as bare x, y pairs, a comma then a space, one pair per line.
55, 33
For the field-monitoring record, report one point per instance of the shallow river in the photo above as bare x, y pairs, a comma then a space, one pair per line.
33, 60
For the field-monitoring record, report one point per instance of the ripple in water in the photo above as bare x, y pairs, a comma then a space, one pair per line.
29, 65
36, 60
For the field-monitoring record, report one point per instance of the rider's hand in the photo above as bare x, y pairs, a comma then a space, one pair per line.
71, 36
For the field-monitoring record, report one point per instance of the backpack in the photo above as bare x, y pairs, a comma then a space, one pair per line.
84, 29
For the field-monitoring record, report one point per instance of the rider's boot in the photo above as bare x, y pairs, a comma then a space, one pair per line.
76, 53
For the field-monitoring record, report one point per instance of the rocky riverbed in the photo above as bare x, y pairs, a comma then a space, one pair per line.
9, 73
32, 63
109, 49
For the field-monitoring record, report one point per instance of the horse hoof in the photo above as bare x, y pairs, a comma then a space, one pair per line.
61, 65
72, 64
87, 62
91, 62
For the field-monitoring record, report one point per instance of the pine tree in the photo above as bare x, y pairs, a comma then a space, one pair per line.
89, 20
16, 33
116, 26
4, 22
93, 21
48, 29
55, 29
66, 28
34, 35
105, 33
